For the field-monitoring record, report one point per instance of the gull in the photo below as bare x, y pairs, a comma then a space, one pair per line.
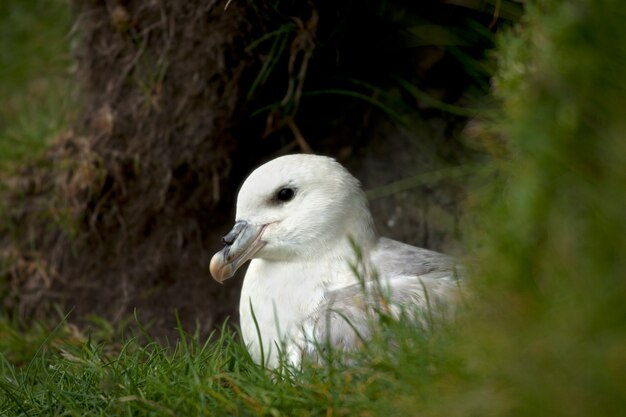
318, 268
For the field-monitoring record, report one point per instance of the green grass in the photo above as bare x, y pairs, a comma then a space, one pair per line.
35, 98
82, 377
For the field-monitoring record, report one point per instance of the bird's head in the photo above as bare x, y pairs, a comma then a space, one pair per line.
293, 207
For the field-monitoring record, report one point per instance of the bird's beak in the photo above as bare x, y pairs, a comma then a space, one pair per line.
240, 245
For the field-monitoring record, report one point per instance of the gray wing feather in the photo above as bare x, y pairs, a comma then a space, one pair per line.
407, 279
392, 258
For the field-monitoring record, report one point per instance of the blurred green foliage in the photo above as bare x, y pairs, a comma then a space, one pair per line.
34, 75
552, 331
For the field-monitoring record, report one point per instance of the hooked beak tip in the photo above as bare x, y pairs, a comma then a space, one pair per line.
219, 268
242, 243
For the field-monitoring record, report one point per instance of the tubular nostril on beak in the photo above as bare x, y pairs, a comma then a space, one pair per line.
231, 236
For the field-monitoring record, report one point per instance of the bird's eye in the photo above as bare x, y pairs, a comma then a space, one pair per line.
285, 194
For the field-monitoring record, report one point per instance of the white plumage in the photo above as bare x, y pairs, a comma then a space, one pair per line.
299, 218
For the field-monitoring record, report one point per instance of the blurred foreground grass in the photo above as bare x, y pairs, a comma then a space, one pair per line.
544, 333
552, 328
34, 76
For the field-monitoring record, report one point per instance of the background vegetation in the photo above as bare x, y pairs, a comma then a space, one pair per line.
543, 333
34, 76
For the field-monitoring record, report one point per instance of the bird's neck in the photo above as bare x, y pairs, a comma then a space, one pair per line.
334, 260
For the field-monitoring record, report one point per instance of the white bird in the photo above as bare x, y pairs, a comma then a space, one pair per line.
299, 219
